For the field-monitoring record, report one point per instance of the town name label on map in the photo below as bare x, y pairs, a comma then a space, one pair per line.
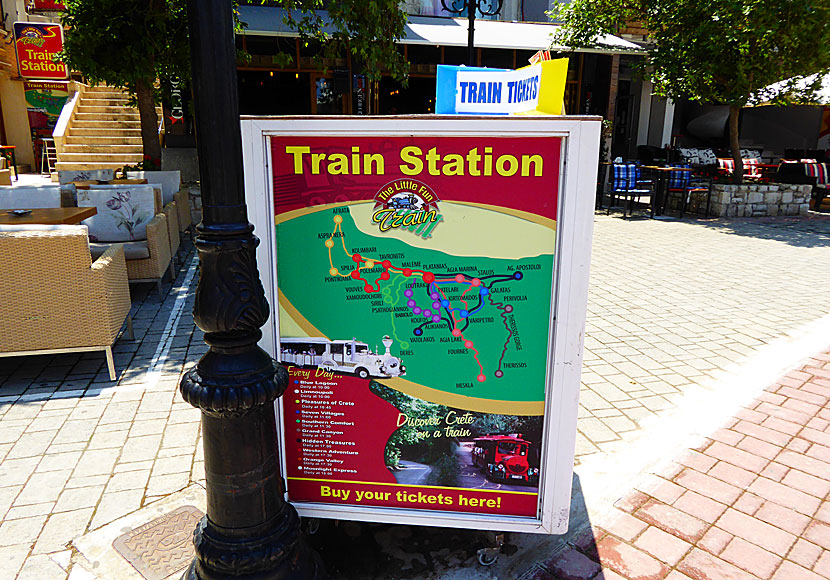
413, 161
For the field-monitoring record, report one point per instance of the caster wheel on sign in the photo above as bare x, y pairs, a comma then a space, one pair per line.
488, 556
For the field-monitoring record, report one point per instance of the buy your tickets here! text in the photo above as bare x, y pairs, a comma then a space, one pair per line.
408, 497
414, 161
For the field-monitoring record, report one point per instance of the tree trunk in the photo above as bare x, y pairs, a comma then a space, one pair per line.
149, 123
735, 145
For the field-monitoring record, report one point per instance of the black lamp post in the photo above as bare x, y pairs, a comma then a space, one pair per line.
486, 7
249, 530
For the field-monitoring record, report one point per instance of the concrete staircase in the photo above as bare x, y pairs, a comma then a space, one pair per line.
101, 131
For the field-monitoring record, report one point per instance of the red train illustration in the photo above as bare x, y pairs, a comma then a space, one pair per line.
504, 458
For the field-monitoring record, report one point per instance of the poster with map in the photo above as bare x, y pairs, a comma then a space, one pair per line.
415, 281
427, 316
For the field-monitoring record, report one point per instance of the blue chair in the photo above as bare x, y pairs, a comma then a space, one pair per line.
683, 182
624, 185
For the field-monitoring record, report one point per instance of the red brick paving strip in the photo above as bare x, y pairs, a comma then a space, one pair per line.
751, 503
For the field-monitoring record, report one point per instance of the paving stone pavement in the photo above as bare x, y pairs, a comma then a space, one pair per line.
78, 451
672, 304
750, 502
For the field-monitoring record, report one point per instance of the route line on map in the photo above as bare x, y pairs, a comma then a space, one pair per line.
434, 292
504, 310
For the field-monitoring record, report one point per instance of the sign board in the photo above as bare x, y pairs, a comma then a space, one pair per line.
37, 44
44, 103
538, 88
429, 283
52, 5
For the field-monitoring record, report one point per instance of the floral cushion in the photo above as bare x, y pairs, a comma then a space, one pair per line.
123, 212
86, 175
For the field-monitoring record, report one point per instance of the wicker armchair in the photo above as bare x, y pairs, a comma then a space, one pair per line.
146, 243
182, 198
171, 183
172, 215
53, 299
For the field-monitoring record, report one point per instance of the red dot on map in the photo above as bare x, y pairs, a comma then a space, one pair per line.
459, 277
355, 274
369, 289
481, 378
407, 272
468, 343
357, 258
456, 332
476, 282
384, 275
428, 278
386, 264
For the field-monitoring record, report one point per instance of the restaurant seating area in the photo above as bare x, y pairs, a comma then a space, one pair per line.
71, 249
699, 182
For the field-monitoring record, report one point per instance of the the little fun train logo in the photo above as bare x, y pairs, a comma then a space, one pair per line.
409, 205
32, 36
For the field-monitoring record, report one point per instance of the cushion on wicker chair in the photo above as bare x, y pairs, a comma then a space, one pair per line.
132, 250
170, 181
30, 197
85, 175
41, 228
123, 212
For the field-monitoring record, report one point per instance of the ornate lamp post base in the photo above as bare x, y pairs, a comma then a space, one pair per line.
249, 530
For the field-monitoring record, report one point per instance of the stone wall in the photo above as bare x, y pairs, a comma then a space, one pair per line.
752, 200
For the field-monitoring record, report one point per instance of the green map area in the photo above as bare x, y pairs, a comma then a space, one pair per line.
470, 325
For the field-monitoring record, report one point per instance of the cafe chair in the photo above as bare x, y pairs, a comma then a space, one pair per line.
171, 186
684, 183
55, 298
128, 215
30, 197
752, 170
68, 176
624, 186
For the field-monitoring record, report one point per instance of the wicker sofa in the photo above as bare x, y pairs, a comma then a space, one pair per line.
54, 299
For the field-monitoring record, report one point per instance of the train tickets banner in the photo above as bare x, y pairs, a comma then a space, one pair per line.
414, 285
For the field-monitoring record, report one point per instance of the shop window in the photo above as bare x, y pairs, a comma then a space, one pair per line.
261, 45
523, 57
497, 58
417, 98
273, 93
423, 59
456, 55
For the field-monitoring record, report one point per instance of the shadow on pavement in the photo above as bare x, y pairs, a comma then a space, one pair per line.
806, 232
368, 551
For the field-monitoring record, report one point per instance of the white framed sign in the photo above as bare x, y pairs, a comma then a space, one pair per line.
428, 279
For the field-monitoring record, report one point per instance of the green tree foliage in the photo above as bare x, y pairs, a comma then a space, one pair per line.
365, 29
129, 44
713, 51
415, 443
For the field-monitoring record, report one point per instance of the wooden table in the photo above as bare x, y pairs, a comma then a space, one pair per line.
49, 216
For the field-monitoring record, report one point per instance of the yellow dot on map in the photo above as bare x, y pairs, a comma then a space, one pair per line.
338, 219
329, 243
370, 264
333, 271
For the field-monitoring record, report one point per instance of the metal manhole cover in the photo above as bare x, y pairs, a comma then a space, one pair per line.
162, 546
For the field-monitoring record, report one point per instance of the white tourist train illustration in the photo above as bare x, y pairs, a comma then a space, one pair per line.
345, 356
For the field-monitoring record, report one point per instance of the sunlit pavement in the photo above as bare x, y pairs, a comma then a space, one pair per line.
690, 325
